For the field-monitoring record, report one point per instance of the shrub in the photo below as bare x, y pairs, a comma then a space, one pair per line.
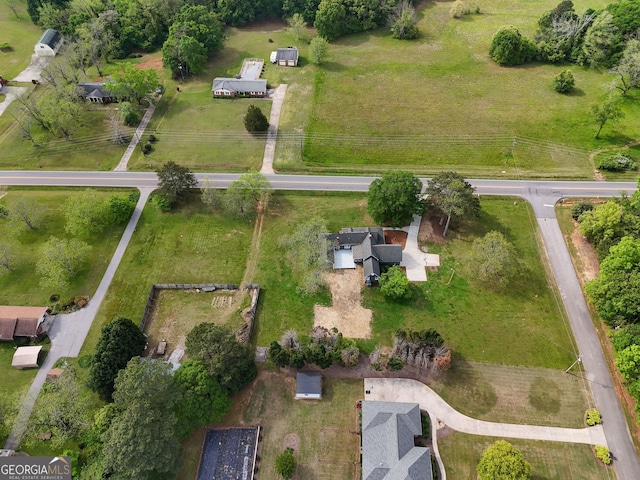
152, 138
395, 364
146, 148
130, 114
581, 207
603, 454
564, 82
285, 463
617, 163
509, 47
161, 202
593, 417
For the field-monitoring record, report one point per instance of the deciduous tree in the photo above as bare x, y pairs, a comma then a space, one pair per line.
509, 47
599, 40
7, 258
307, 249
493, 259
27, 211
628, 68
501, 461
452, 196
318, 50
59, 260
394, 198
119, 341
402, 21
608, 112
209, 194
230, 362
86, 214
245, 194
202, 401
395, 284
628, 362
285, 464
175, 181
564, 82
297, 25
134, 82
145, 380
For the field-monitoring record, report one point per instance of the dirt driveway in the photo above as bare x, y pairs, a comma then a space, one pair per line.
346, 312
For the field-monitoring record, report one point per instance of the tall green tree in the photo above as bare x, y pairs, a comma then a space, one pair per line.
628, 362
134, 82
202, 401
493, 259
8, 258
175, 181
603, 226
509, 47
307, 248
628, 68
394, 284
230, 362
318, 50
59, 260
148, 381
255, 121
86, 214
403, 20
247, 192
600, 40
452, 196
394, 198
119, 341
297, 25
27, 211
501, 461
608, 112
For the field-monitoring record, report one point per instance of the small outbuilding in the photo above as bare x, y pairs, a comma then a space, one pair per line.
20, 322
49, 43
287, 57
26, 357
308, 385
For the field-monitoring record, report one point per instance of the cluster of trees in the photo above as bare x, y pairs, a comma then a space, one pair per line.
626, 344
602, 39
59, 260
424, 349
164, 406
323, 348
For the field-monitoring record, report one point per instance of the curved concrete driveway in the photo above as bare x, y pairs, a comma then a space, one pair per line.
68, 332
412, 391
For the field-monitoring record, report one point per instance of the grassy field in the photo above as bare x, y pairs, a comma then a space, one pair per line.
21, 286
528, 395
13, 388
21, 35
187, 245
440, 102
327, 448
549, 460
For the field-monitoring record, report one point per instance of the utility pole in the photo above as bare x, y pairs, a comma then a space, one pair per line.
578, 360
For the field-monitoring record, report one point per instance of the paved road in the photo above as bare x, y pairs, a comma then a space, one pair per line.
542, 195
68, 332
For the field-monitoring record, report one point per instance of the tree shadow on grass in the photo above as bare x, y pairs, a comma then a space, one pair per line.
333, 67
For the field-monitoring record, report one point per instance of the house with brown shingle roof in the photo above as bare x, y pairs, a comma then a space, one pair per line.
20, 322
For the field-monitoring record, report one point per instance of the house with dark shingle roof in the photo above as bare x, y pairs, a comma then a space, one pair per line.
368, 247
98, 92
234, 87
49, 43
388, 442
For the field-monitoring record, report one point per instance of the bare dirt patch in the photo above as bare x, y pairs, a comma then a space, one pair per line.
346, 312
291, 441
431, 231
396, 237
587, 257
154, 62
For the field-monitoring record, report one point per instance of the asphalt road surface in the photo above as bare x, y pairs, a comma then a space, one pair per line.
541, 194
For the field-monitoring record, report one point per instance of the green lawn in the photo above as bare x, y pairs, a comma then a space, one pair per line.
13, 388
549, 460
187, 245
21, 286
439, 103
21, 35
327, 448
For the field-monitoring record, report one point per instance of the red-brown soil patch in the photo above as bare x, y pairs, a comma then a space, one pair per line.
431, 231
397, 237
151, 61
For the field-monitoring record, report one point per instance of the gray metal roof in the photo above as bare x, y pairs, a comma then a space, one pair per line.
50, 37
388, 448
239, 85
290, 53
309, 383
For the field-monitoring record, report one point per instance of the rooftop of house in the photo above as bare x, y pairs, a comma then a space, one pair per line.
388, 442
239, 85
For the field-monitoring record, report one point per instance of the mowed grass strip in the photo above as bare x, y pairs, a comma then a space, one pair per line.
328, 449
549, 460
22, 286
190, 244
440, 101
520, 325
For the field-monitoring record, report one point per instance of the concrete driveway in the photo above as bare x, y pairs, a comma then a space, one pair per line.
11, 94
33, 71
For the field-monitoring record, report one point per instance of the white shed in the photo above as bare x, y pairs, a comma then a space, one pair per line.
26, 357
49, 43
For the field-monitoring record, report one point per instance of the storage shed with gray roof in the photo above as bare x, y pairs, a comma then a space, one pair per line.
388, 442
287, 57
49, 43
